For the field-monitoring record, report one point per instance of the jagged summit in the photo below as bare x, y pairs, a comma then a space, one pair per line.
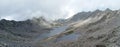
108, 9
85, 15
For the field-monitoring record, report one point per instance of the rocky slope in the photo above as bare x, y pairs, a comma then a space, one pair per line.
100, 29
21, 33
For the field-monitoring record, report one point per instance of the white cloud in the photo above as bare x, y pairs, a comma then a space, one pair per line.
53, 9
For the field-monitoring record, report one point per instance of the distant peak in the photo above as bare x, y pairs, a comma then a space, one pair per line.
97, 10
108, 9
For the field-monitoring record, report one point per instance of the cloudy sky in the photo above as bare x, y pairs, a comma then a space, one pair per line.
52, 9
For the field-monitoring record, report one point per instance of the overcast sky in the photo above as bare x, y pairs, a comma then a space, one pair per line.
52, 9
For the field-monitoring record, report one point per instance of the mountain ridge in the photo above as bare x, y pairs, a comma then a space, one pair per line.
84, 29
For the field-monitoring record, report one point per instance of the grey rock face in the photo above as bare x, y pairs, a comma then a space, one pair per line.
20, 33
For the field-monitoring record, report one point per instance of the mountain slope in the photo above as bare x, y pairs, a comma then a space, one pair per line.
21, 33
100, 30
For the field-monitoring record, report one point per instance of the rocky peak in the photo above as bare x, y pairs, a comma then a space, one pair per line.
97, 10
108, 9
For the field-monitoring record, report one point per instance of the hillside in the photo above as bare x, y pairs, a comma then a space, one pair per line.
21, 33
84, 29
99, 29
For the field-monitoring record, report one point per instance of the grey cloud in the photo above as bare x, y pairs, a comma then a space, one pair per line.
30, 8
53, 9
